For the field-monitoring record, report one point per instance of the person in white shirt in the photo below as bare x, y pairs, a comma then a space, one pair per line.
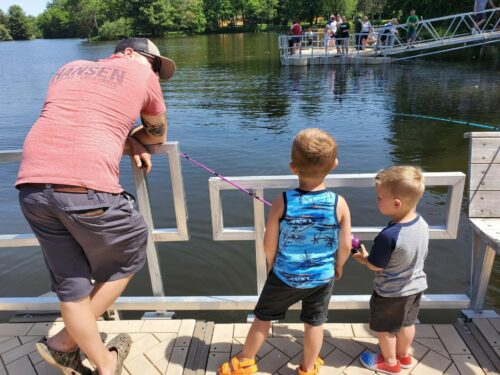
366, 29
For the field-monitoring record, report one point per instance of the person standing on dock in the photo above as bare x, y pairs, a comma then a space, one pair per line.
397, 257
333, 30
387, 36
326, 37
296, 31
411, 22
69, 191
366, 29
307, 242
344, 35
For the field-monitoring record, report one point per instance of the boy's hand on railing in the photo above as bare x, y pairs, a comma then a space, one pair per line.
139, 154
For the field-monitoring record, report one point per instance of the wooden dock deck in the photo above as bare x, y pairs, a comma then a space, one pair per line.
189, 347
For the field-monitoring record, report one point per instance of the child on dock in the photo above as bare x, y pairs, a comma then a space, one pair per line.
397, 256
307, 242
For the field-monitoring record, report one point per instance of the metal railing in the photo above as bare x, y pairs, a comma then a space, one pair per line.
453, 180
446, 33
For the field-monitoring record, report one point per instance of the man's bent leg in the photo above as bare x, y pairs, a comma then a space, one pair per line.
102, 297
81, 324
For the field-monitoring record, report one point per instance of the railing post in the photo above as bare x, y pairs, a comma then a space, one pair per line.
145, 208
482, 277
260, 256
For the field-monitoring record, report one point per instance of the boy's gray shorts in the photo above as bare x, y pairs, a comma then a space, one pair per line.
78, 246
390, 314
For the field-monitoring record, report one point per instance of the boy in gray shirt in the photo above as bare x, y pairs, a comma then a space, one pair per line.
397, 257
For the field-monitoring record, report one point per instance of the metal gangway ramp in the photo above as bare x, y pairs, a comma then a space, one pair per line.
447, 33
433, 36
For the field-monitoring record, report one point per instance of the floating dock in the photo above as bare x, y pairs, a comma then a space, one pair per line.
189, 347
433, 36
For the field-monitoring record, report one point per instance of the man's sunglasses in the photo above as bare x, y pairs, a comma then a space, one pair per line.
155, 64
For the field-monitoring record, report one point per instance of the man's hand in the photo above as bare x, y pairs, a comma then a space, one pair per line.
141, 156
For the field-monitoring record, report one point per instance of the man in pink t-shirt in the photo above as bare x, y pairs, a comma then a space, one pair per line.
69, 192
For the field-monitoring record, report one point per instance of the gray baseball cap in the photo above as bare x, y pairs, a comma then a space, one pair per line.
144, 45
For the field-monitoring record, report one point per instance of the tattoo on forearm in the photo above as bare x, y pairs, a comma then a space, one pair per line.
156, 130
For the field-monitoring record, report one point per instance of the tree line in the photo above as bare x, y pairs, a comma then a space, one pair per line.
115, 19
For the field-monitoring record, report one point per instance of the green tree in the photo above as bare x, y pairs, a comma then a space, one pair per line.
114, 30
216, 12
4, 33
149, 17
344, 7
91, 14
427, 8
18, 23
55, 22
188, 15
3, 18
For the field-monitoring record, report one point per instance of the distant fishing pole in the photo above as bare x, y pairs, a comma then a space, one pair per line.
491, 127
183, 154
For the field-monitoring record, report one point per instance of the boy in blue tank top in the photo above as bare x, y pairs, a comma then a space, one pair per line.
307, 242
397, 257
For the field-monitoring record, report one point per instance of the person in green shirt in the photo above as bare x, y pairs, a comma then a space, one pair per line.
412, 22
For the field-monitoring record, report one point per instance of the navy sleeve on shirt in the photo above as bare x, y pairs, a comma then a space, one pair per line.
383, 246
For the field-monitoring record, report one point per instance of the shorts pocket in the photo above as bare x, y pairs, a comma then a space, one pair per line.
93, 213
85, 208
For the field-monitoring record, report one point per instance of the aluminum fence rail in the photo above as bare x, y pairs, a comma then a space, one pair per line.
448, 230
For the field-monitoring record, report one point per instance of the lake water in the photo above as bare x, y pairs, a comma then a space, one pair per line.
233, 107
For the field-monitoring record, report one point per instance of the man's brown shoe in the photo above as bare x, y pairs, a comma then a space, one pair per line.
69, 363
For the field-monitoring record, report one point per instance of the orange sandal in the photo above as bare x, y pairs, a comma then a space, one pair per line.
317, 365
236, 367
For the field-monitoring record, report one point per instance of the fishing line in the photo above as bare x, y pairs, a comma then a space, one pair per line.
184, 155
491, 127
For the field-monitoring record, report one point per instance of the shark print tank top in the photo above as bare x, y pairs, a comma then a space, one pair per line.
308, 238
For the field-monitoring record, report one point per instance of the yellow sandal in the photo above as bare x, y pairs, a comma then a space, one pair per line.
317, 365
236, 367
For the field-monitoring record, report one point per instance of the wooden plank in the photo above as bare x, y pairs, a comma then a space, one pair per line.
272, 362
215, 360
197, 340
467, 364
451, 339
177, 361
496, 323
431, 364
204, 349
222, 338
484, 204
489, 332
478, 346
286, 345
21, 366
485, 150
484, 177
488, 230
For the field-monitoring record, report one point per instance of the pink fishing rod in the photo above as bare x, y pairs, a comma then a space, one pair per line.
183, 154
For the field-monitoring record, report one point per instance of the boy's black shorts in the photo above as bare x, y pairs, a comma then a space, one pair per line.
277, 297
390, 314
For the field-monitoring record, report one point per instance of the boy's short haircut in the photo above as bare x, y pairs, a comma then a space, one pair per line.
314, 152
405, 182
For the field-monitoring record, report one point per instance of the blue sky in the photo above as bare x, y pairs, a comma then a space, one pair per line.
31, 7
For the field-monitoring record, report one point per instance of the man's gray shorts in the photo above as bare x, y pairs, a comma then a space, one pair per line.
85, 236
